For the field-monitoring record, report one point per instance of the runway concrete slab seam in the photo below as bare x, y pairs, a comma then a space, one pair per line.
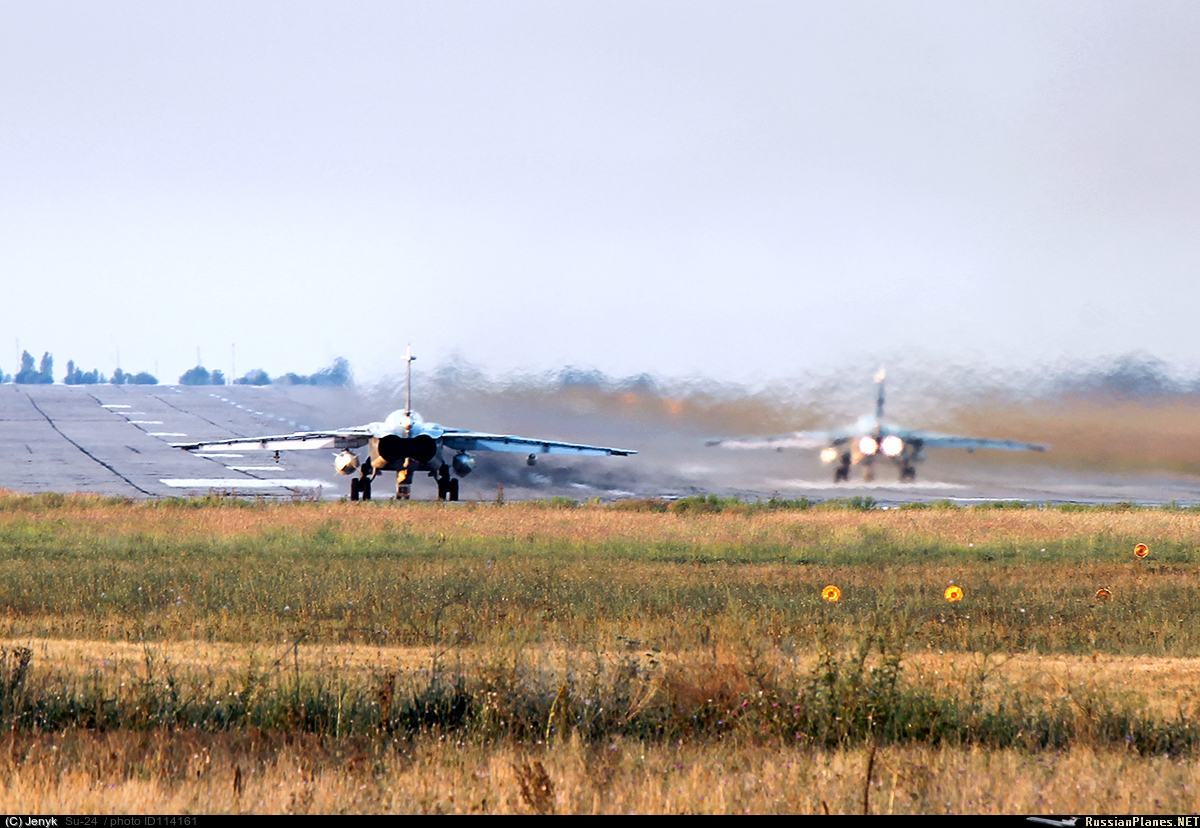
85, 451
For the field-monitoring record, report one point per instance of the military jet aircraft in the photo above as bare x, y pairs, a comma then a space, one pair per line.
870, 440
406, 444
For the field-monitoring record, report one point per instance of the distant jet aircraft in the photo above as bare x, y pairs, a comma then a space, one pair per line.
406, 444
870, 439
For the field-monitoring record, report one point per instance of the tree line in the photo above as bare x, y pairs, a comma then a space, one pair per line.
336, 375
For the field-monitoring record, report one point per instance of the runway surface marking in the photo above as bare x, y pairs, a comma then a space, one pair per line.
241, 483
861, 484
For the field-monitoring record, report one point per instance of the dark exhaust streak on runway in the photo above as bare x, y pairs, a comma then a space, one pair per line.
1119, 430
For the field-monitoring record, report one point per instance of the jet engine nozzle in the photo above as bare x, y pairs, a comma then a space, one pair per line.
891, 445
531, 460
828, 455
462, 463
421, 448
868, 446
345, 462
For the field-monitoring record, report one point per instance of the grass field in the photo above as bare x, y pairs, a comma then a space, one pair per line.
226, 656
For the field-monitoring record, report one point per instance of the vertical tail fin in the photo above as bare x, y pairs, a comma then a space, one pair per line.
879, 377
408, 360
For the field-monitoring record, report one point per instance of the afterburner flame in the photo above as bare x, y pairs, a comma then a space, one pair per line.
892, 445
868, 445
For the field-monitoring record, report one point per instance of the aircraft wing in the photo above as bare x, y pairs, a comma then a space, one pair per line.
929, 439
834, 437
479, 441
345, 438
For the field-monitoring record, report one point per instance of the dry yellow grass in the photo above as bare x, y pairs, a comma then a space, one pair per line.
188, 772
563, 590
1162, 687
600, 523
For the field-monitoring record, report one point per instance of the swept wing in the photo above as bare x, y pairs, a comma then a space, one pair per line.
353, 438
835, 437
480, 441
345, 438
931, 439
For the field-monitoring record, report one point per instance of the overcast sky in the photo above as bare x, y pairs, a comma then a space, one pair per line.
739, 190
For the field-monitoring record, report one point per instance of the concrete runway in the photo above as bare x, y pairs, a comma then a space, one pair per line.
116, 440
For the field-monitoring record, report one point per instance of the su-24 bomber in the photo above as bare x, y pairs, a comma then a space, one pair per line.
405, 444
870, 440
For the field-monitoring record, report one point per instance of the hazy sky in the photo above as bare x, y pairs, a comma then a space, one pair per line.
741, 190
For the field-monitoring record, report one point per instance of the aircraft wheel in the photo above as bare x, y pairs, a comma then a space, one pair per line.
354, 488
908, 474
453, 488
842, 472
364, 486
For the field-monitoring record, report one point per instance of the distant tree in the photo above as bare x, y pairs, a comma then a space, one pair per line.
196, 376
337, 374
256, 377
142, 378
119, 377
26, 374
76, 376
47, 369
29, 376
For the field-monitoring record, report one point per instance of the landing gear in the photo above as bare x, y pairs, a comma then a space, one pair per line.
403, 484
447, 485
842, 472
360, 487
907, 474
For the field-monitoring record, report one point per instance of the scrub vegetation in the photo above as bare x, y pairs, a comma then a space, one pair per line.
229, 655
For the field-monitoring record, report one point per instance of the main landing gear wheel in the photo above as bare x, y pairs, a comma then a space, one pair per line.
447, 485
908, 474
360, 487
842, 472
